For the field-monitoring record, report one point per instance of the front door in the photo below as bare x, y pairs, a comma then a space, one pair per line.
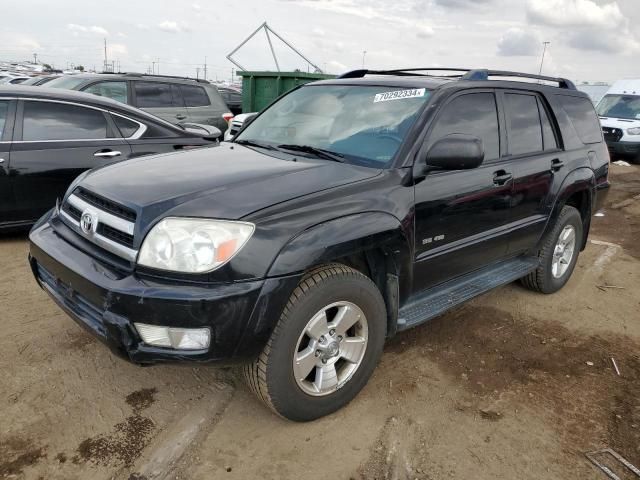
461, 216
7, 109
54, 143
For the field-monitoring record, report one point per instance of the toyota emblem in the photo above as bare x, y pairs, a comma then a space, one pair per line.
88, 222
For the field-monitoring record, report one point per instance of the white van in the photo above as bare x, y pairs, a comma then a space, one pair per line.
619, 112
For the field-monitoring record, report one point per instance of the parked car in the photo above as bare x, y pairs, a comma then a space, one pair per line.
236, 124
39, 80
13, 80
619, 112
174, 99
48, 137
347, 211
233, 98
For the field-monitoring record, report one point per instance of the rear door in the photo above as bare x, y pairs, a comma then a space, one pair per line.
534, 158
204, 105
54, 142
461, 216
7, 201
161, 99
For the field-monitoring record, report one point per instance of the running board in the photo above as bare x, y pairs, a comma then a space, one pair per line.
439, 299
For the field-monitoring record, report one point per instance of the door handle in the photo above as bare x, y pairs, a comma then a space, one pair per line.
556, 164
180, 116
107, 154
501, 177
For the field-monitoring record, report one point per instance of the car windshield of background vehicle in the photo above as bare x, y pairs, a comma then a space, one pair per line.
364, 124
620, 106
68, 81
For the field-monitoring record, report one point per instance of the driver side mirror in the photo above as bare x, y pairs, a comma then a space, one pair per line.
456, 152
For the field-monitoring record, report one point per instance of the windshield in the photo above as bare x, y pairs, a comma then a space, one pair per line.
364, 124
67, 81
620, 106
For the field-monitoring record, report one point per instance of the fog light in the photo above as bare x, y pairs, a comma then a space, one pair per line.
178, 338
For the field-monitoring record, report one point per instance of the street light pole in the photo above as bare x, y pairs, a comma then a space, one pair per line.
544, 50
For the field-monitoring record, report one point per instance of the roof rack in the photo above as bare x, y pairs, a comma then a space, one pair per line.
137, 74
462, 74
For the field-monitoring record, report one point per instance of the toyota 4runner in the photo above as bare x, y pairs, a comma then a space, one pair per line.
349, 210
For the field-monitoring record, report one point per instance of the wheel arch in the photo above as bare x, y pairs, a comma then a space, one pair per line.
374, 243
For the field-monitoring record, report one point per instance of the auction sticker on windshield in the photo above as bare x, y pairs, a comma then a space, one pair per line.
398, 95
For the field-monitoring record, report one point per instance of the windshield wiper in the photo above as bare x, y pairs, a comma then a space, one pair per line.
319, 152
251, 143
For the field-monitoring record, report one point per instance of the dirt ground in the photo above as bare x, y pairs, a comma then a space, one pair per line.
512, 385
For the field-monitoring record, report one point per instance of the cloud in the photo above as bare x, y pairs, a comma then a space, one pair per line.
425, 32
606, 42
77, 29
576, 13
117, 50
19, 42
173, 27
519, 42
196, 7
462, 4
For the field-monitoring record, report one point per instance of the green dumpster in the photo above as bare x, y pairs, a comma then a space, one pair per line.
259, 89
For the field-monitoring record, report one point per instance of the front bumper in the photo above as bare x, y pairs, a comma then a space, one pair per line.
106, 302
624, 149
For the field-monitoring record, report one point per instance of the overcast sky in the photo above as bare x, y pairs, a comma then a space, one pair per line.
593, 40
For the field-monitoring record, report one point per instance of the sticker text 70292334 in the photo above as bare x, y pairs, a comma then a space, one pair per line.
398, 95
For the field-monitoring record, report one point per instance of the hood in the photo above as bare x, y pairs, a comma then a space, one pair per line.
622, 123
227, 182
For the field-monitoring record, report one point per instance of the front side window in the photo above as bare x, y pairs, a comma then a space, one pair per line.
473, 114
70, 82
60, 121
525, 130
620, 106
114, 90
157, 95
194, 96
4, 112
365, 124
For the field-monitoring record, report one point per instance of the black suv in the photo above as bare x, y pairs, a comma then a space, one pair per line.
347, 211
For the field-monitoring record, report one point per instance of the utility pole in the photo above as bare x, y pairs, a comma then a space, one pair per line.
544, 50
153, 68
364, 52
197, 73
205, 68
105, 55
35, 58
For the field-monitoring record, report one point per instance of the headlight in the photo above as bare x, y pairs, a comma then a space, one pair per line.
633, 131
193, 245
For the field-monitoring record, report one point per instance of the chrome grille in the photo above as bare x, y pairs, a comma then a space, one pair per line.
101, 221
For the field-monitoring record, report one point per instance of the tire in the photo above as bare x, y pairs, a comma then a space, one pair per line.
272, 376
545, 279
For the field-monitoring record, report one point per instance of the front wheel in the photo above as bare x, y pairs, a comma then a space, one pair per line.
325, 346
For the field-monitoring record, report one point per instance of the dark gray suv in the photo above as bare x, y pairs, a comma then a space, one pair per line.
175, 99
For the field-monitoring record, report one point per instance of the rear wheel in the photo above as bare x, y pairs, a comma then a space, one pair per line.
559, 253
325, 346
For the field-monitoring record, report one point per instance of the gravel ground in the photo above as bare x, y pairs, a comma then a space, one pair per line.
512, 385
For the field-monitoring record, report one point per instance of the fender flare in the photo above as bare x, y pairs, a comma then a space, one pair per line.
578, 180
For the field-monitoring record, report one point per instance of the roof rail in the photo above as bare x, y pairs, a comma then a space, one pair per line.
483, 74
461, 73
137, 74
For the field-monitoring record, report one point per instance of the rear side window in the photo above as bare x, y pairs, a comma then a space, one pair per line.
114, 90
4, 112
548, 136
157, 95
127, 127
472, 114
59, 121
194, 96
583, 117
525, 131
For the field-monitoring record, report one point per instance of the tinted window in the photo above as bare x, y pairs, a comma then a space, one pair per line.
156, 94
194, 96
525, 131
472, 114
583, 116
4, 111
58, 121
115, 90
127, 127
548, 136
